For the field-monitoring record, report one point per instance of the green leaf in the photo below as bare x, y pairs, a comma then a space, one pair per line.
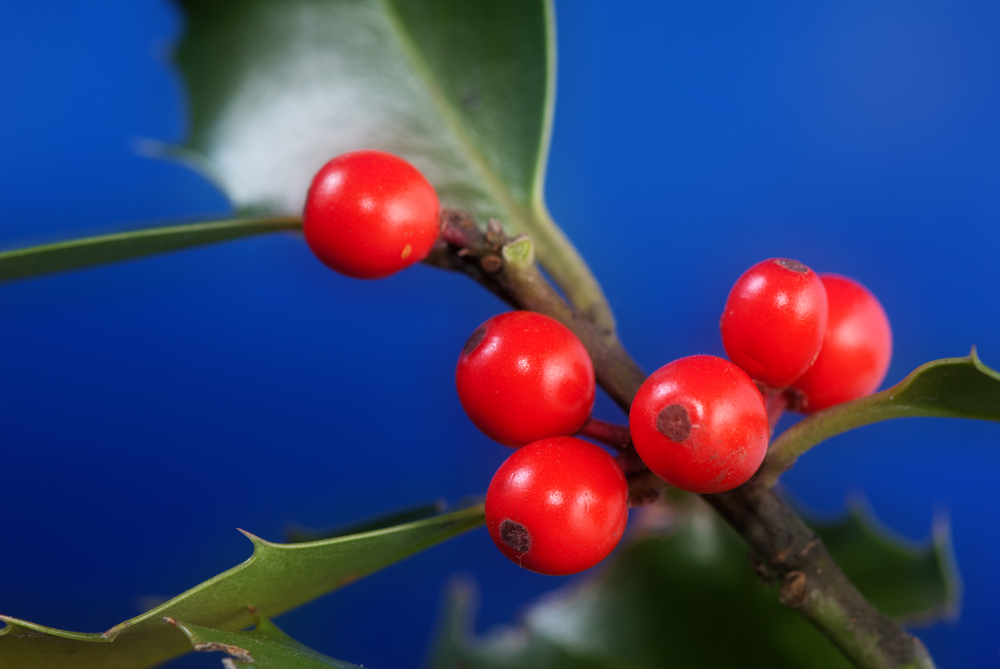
88, 251
264, 647
463, 90
909, 582
297, 534
689, 599
950, 388
276, 578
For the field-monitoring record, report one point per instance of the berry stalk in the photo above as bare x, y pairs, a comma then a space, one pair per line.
506, 267
611, 435
784, 549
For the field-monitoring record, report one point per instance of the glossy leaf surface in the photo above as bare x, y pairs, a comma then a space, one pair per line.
948, 388
276, 578
463, 90
263, 647
99, 250
653, 605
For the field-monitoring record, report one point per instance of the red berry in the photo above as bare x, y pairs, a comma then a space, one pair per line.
774, 321
699, 423
523, 376
557, 506
369, 214
856, 350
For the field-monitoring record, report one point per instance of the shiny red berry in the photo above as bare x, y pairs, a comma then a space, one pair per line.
856, 350
523, 376
369, 214
774, 321
700, 424
557, 506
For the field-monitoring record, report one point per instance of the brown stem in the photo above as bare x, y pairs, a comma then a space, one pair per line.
776, 403
615, 436
517, 280
788, 552
785, 549
644, 487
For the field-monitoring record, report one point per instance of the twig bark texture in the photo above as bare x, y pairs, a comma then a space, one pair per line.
785, 550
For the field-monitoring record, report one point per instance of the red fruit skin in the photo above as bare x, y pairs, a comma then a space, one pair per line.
569, 498
726, 432
523, 376
856, 350
774, 321
369, 214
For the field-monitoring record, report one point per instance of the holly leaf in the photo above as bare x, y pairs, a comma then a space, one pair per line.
276, 578
263, 647
690, 599
911, 582
463, 90
296, 534
948, 388
88, 251
952, 388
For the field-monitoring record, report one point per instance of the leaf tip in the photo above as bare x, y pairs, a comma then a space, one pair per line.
945, 549
980, 365
257, 541
9, 625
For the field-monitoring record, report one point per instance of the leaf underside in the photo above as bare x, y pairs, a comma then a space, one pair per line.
690, 599
263, 647
947, 388
953, 387
463, 90
460, 89
99, 250
276, 578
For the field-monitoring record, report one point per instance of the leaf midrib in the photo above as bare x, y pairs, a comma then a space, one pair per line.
493, 183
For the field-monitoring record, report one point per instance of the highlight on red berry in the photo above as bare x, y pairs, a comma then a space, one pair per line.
856, 351
557, 506
700, 424
523, 376
774, 321
369, 214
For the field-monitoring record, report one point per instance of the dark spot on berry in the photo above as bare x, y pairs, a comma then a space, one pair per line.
515, 535
472, 342
673, 423
793, 265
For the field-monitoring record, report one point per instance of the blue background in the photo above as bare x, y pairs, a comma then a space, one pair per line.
150, 408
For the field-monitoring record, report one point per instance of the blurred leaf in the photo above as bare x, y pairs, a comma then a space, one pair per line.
264, 647
905, 581
463, 90
950, 388
276, 578
689, 599
88, 251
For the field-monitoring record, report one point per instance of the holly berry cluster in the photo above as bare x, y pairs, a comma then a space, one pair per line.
559, 504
